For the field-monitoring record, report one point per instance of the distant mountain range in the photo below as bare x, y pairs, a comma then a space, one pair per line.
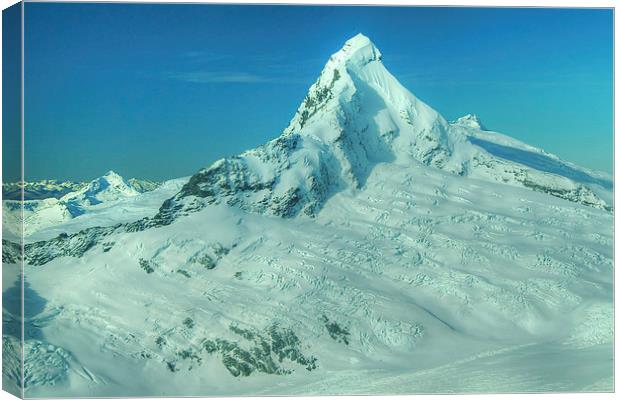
46, 189
50, 206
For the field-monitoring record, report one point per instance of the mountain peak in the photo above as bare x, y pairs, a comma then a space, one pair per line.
362, 114
112, 176
356, 42
109, 187
358, 50
471, 121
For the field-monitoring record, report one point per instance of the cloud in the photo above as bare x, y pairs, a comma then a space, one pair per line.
215, 77
207, 67
220, 77
204, 56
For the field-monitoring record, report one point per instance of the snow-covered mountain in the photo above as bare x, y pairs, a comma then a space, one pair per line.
373, 247
357, 115
108, 188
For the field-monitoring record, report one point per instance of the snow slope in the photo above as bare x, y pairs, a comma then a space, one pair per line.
372, 248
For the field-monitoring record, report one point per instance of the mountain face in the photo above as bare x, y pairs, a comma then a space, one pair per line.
373, 247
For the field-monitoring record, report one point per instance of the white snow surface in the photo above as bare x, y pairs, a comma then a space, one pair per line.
409, 255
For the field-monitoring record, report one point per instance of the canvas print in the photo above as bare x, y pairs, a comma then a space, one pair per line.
232, 200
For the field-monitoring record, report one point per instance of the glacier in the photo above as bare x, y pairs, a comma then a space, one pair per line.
372, 248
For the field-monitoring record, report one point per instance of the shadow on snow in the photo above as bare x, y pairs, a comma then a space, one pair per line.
539, 162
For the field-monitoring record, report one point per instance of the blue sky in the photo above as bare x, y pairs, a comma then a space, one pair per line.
11, 93
159, 91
